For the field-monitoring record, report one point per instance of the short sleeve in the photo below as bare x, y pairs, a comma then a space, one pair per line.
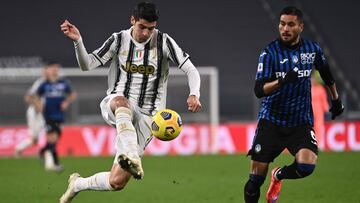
265, 67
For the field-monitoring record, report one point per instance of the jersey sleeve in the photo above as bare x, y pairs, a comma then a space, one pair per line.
105, 53
175, 53
320, 59
265, 66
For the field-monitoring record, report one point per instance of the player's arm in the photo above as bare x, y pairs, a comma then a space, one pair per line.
337, 106
182, 60
68, 100
265, 81
71, 95
194, 81
86, 61
323, 67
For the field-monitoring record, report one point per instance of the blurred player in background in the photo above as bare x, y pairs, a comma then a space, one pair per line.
53, 97
138, 77
320, 106
286, 118
34, 118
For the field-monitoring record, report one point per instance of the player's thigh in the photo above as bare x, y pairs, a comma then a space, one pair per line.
302, 143
267, 144
118, 177
106, 112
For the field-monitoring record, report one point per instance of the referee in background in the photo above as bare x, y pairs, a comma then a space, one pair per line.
285, 120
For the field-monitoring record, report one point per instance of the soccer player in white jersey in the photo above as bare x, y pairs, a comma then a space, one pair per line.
139, 67
34, 118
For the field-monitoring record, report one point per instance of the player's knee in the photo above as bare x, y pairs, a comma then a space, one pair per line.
305, 169
117, 184
252, 187
118, 102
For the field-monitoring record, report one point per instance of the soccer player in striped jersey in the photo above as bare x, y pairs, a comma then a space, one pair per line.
53, 97
139, 68
283, 80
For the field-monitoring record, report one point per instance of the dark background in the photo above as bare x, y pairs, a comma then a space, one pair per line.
227, 34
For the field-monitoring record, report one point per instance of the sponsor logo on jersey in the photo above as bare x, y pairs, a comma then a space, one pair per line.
142, 69
307, 58
301, 73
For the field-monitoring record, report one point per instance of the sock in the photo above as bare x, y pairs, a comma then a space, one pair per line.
52, 149
99, 181
48, 160
43, 149
127, 139
252, 188
295, 171
23, 145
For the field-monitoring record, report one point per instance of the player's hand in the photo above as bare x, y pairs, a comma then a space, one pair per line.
337, 108
65, 105
70, 30
194, 104
290, 77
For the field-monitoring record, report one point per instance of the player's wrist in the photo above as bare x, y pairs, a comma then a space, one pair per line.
77, 41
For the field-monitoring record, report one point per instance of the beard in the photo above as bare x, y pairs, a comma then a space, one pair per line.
289, 39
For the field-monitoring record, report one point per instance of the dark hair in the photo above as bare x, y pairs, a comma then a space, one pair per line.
50, 63
292, 10
147, 11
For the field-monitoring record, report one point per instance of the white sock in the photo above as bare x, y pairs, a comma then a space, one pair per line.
127, 142
23, 145
99, 181
49, 160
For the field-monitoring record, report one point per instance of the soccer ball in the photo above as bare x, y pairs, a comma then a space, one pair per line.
166, 125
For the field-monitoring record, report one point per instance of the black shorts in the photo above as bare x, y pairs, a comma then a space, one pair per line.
53, 126
270, 140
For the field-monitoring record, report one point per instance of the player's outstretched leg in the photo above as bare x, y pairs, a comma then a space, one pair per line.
22, 146
70, 193
273, 192
126, 143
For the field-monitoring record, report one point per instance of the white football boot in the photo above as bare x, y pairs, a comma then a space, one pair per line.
69, 194
132, 165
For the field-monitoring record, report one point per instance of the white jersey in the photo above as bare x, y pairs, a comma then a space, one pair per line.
35, 86
32, 91
139, 71
34, 119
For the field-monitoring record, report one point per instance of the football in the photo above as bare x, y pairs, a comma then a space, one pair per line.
166, 125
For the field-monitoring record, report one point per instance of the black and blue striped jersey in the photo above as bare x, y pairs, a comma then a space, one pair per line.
53, 94
290, 105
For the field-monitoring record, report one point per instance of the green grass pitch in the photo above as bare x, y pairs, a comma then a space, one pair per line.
182, 179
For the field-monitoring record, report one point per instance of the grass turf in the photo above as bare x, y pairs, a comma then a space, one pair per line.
180, 179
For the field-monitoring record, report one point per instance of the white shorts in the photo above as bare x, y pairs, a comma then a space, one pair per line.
141, 122
35, 122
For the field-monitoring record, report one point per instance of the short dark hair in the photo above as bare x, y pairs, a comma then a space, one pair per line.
50, 63
147, 11
292, 10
